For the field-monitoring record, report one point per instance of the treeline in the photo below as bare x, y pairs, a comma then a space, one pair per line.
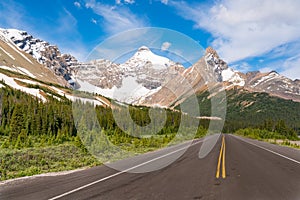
26, 121
250, 109
270, 130
132, 128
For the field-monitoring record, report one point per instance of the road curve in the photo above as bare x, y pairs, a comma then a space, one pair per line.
252, 170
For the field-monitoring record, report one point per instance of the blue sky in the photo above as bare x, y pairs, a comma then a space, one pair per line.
249, 35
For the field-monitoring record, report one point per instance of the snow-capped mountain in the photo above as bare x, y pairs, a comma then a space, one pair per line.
144, 56
46, 54
140, 76
144, 79
272, 82
211, 70
23, 67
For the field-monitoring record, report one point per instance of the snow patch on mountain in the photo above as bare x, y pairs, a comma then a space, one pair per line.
130, 92
26, 72
25, 42
46, 54
19, 52
11, 82
140, 76
144, 55
233, 77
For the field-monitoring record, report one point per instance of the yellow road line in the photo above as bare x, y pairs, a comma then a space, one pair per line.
221, 159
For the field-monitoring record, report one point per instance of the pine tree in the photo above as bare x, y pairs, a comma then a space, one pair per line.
17, 123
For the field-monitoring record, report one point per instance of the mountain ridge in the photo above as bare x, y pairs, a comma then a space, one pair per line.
150, 79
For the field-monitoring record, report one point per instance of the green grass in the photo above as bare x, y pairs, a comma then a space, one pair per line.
267, 136
43, 157
30, 161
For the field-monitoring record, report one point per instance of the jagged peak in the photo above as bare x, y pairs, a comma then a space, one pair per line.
14, 33
274, 73
210, 50
144, 48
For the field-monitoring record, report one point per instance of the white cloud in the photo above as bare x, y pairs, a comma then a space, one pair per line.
164, 1
14, 15
118, 1
94, 21
116, 19
77, 4
243, 29
129, 1
291, 67
165, 46
242, 67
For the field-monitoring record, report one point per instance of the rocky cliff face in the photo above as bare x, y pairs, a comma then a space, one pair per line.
46, 54
144, 74
211, 71
274, 84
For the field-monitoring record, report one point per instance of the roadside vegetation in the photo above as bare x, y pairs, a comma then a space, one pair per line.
274, 132
38, 137
258, 116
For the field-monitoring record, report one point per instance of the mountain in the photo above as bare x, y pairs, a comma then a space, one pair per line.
144, 79
139, 77
30, 48
210, 71
38, 68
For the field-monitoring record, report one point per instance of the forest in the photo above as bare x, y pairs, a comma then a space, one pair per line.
38, 137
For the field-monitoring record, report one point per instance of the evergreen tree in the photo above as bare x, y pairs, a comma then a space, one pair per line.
17, 123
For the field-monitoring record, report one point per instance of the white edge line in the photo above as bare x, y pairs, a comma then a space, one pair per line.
278, 154
121, 172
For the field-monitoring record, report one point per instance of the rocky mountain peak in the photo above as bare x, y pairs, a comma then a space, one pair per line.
210, 50
216, 64
146, 73
46, 54
144, 48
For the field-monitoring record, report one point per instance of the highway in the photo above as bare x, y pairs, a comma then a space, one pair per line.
236, 168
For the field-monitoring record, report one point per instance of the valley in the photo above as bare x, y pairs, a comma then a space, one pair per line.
60, 114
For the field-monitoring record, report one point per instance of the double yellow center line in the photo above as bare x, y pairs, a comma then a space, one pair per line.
221, 160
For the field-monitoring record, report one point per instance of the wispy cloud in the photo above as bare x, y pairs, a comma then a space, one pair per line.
70, 38
14, 15
243, 29
165, 46
129, 1
94, 21
164, 1
291, 67
243, 67
116, 18
288, 67
77, 4
119, 2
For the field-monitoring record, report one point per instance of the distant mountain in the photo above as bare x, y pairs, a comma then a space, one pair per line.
44, 53
38, 68
139, 77
144, 79
210, 71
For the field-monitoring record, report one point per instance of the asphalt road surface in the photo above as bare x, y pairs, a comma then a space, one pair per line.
236, 168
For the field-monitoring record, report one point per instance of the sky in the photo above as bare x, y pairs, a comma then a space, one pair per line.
249, 35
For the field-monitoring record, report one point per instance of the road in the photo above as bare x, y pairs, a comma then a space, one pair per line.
236, 168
